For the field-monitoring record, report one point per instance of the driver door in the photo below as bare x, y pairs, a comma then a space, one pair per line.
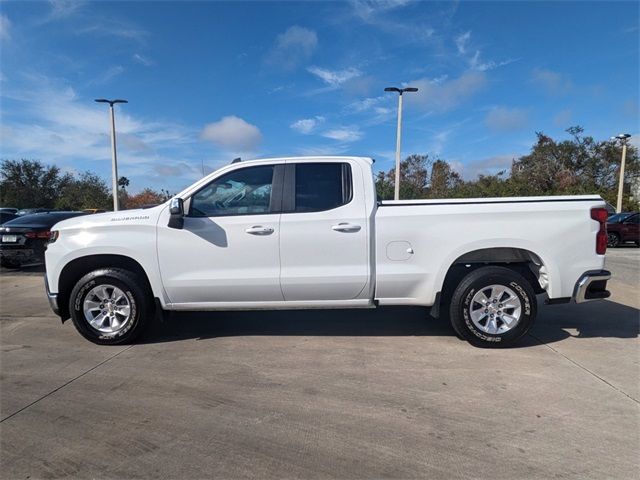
227, 251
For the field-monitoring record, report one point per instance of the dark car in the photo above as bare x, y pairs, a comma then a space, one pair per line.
29, 211
8, 210
623, 228
23, 240
6, 216
618, 217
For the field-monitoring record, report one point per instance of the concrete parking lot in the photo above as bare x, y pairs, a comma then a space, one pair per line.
322, 394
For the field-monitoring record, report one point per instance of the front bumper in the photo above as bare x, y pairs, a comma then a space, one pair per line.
592, 285
52, 297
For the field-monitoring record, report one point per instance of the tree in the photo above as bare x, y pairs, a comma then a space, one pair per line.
123, 195
414, 176
443, 180
29, 183
87, 191
580, 165
148, 197
123, 183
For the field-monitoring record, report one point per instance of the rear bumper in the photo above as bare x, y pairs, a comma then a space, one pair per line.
18, 253
52, 297
592, 285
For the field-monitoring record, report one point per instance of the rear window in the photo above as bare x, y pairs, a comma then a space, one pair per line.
43, 218
322, 186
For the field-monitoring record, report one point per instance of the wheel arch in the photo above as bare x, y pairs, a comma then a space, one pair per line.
78, 267
525, 262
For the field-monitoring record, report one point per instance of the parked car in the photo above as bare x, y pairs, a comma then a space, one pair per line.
8, 210
29, 211
23, 239
309, 233
6, 216
617, 217
624, 228
94, 210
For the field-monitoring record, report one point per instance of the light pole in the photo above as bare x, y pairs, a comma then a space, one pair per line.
623, 138
114, 157
396, 194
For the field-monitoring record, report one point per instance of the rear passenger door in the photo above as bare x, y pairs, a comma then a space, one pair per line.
630, 229
324, 251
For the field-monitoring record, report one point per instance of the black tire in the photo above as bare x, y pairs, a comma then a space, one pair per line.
613, 240
479, 280
9, 263
137, 295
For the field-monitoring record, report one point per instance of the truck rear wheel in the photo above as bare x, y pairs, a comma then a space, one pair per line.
110, 306
493, 307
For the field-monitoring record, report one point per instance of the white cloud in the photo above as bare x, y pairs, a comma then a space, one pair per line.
61, 9
344, 134
233, 133
379, 14
307, 125
476, 64
5, 27
462, 41
366, 104
485, 166
368, 8
501, 119
292, 47
141, 59
334, 78
553, 83
444, 95
108, 75
64, 127
114, 28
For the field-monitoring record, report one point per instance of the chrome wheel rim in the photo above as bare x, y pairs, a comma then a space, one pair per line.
107, 308
495, 309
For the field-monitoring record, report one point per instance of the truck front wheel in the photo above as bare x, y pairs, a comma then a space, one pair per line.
110, 306
493, 307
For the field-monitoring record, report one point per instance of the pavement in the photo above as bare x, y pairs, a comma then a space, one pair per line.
388, 393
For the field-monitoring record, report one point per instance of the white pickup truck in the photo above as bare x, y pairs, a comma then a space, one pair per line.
300, 233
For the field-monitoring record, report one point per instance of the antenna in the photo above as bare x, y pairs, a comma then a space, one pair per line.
236, 160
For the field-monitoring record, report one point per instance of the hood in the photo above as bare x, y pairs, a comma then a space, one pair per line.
139, 216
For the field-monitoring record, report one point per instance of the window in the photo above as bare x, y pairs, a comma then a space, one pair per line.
634, 219
322, 186
242, 192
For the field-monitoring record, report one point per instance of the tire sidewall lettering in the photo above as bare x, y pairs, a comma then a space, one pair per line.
80, 297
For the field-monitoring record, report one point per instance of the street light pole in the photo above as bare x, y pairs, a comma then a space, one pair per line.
114, 157
400, 91
623, 138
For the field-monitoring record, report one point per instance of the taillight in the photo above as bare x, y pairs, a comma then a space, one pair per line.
600, 215
44, 235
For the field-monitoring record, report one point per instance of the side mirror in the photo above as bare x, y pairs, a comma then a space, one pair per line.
176, 209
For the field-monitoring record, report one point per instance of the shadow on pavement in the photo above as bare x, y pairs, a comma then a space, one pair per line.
555, 323
25, 270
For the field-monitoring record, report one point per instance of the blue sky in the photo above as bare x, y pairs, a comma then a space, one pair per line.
209, 81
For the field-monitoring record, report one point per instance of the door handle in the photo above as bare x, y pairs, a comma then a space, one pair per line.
259, 230
346, 227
